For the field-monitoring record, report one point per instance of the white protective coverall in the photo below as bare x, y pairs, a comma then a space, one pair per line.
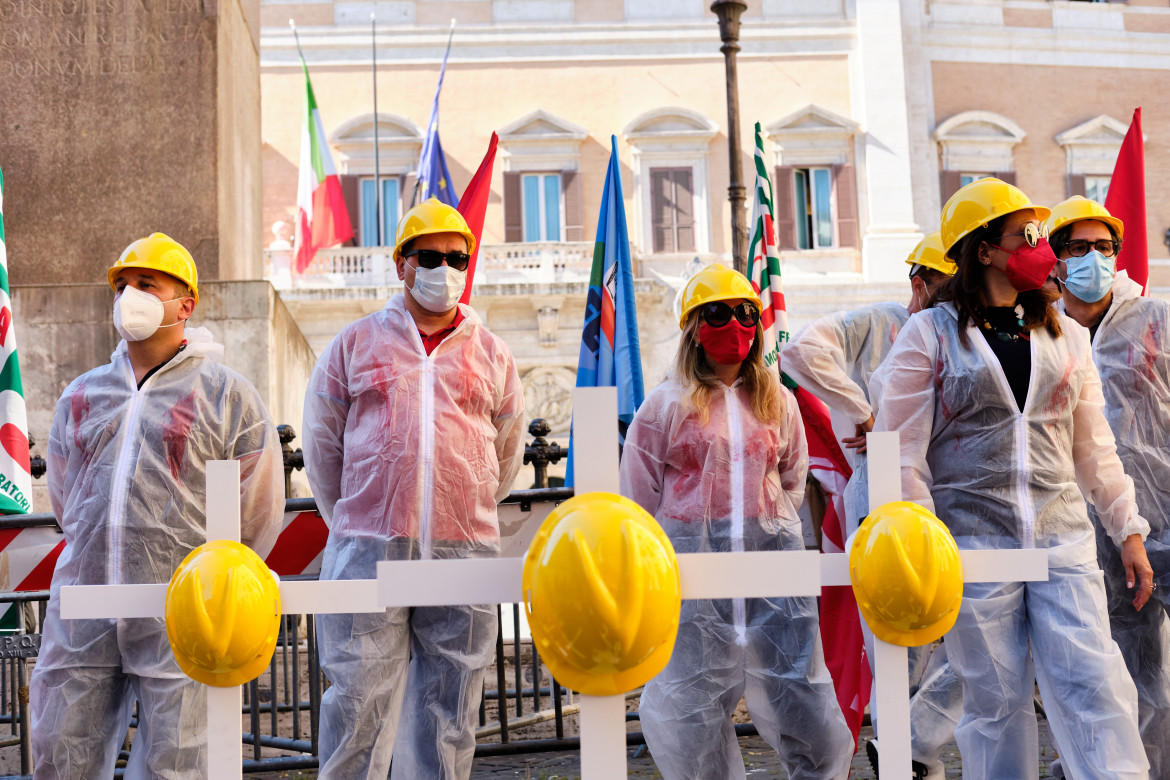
733, 485
1005, 479
1132, 351
127, 475
408, 456
833, 358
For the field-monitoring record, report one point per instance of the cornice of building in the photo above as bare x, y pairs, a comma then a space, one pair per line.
568, 43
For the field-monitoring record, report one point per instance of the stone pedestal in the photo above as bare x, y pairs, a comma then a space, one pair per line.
123, 117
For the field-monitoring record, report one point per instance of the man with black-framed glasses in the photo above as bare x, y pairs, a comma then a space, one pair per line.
1130, 337
414, 425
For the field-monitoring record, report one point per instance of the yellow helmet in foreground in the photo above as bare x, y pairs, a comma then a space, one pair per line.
601, 591
223, 614
159, 252
716, 282
906, 573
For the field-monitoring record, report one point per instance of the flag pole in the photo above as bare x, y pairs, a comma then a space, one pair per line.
442, 72
377, 167
292, 23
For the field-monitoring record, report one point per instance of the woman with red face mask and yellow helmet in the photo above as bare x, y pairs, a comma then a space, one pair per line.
717, 454
1000, 415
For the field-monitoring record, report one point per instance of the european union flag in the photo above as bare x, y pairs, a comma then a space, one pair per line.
610, 354
434, 180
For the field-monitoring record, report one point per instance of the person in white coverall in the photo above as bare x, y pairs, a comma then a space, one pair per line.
833, 358
1000, 416
1130, 335
127, 461
413, 432
717, 454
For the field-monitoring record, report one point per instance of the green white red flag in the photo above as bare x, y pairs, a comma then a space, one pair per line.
15, 476
764, 261
840, 623
322, 219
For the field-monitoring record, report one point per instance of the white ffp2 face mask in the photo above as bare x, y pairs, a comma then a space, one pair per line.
137, 315
438, 289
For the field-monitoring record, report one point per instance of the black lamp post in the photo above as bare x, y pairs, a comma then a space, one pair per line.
729, 12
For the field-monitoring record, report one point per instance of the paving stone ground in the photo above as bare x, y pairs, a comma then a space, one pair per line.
759, 759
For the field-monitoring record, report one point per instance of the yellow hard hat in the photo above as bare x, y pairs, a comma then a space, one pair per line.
601, 591
1078, 208
223, 614
161, 253
929, 253
906, 573
716, 282
977, 205
432, 216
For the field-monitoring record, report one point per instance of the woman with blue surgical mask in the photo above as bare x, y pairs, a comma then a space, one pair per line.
1131, 349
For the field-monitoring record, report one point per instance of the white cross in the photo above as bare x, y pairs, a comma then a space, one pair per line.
224, 705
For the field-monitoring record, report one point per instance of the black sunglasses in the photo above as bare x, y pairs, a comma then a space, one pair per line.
717, 314
430, 258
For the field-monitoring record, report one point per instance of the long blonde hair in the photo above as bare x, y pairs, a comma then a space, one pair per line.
699, 380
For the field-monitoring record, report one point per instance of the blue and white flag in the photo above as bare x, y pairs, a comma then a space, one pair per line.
434, 180
610, 355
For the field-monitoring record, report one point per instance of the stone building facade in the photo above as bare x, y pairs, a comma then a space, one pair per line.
872, 113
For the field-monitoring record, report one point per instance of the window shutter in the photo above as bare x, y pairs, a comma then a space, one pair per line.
950, 182
785, 207
571, 192
1006, 176
684, 210
661, 211
349, 193
845, 207
513, 209
1076, 184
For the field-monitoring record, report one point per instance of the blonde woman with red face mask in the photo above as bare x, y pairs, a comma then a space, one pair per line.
717, 454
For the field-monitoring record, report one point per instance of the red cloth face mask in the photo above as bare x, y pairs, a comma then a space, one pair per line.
1029, 266
729, 344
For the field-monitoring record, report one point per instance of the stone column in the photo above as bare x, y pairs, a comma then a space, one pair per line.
890, 231
124, 117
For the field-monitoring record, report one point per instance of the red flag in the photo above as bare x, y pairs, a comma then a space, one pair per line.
473, 206
841, 636
1127, 201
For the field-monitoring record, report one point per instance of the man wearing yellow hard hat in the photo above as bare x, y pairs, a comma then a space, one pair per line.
127, 463
833, 358
1131, 348
413, 433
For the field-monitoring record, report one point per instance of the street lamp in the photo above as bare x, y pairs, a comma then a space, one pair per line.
729, 12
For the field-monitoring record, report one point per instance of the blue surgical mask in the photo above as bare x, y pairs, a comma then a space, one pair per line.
1089, 277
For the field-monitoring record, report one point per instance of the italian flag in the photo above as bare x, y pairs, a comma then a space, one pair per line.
30, 553
322, 219
764, 261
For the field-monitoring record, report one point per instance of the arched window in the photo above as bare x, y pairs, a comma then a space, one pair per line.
399, 145
976, 144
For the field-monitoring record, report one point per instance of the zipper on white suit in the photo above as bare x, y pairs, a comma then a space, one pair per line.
119, 487
739, 606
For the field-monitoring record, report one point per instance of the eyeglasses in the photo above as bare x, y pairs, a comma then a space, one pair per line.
430, 258
1080, 247
717, 314
1032, 233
